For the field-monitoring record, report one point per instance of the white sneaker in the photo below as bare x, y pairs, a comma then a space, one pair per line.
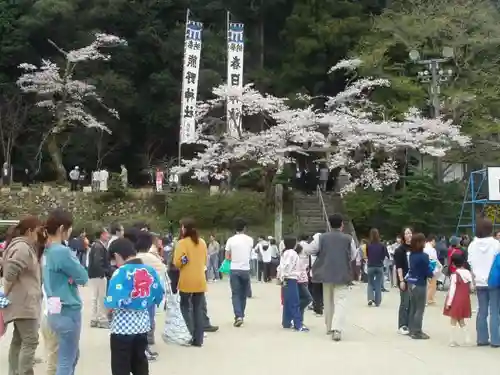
403, 331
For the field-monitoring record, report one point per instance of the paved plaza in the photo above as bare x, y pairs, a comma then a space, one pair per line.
371, 344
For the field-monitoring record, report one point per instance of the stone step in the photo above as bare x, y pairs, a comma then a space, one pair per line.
311, 212
313, 220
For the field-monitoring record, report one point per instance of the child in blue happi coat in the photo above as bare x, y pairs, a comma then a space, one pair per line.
133, 288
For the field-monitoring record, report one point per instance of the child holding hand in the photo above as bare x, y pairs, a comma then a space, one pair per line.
289, 273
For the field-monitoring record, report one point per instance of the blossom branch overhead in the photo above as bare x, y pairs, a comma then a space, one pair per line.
347, 127
62, 95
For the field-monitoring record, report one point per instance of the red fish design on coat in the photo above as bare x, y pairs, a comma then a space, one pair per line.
142, 281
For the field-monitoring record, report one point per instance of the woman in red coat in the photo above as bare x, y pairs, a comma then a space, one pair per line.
454, 249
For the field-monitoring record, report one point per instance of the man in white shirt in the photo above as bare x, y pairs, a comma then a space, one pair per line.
103, 183
116, 230
257, 250
238, 250
430, 250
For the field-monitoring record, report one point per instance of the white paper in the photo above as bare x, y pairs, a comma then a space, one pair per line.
54, 305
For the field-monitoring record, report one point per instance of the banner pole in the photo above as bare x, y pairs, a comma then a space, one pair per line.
228, 21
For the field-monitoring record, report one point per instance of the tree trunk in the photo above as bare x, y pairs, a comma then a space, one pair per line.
56, 156
267, 181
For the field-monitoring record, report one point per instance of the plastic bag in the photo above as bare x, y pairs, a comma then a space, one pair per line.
175, 330
3, 304
225, 267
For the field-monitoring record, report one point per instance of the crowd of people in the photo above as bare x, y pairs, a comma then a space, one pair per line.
129, 271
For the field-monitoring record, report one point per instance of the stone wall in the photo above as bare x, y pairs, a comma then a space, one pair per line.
85, 207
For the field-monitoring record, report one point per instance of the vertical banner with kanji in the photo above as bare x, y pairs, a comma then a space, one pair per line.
235, 49
192, 53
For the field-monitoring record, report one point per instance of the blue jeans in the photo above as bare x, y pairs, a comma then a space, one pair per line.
488, 300
213, 266
239, 281
67, 326
291, 305
375, 283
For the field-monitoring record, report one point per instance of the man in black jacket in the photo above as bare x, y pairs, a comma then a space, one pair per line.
99, 271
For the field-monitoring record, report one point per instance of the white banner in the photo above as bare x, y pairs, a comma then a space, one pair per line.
235, 51
192, 53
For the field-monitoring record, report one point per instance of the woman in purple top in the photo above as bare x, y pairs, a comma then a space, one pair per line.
376, 253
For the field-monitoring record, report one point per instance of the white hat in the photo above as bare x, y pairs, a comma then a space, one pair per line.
77, 167
270, 237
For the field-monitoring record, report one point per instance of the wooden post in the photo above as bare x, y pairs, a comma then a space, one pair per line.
278, 212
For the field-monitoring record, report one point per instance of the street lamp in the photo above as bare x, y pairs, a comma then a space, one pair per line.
434, 76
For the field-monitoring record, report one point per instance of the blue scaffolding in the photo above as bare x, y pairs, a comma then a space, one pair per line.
475, 200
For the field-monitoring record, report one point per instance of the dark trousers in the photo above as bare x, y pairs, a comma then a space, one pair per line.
128, 354
267, 272
173, 275
317, 295
74, 185
305, 298
206, 319
418, 298
239, 281
291, 305
260, 270
275, 262
404, 308
192, 311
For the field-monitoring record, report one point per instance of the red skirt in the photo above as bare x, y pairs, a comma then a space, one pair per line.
460, 306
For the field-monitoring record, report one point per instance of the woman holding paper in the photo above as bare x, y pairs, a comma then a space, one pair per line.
62, 274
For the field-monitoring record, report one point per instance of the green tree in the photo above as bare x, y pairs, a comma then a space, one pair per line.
470, 98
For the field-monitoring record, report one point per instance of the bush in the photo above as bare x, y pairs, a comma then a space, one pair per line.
220, 210
423, 204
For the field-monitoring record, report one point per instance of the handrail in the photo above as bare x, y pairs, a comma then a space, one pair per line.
323, 208
8, 222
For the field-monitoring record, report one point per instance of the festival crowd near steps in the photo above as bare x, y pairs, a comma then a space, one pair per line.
145, 285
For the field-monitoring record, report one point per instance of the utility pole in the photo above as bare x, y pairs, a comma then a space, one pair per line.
434, 76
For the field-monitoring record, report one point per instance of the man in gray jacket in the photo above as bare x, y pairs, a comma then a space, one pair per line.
332, 268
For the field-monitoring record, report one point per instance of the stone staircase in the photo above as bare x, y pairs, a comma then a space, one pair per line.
310, 216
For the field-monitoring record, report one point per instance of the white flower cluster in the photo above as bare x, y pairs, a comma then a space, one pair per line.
63, 96
363, 146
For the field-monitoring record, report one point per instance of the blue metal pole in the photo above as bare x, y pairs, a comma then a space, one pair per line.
461, 217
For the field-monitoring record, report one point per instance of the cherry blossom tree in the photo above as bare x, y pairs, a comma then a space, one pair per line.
349, 127
63, 96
